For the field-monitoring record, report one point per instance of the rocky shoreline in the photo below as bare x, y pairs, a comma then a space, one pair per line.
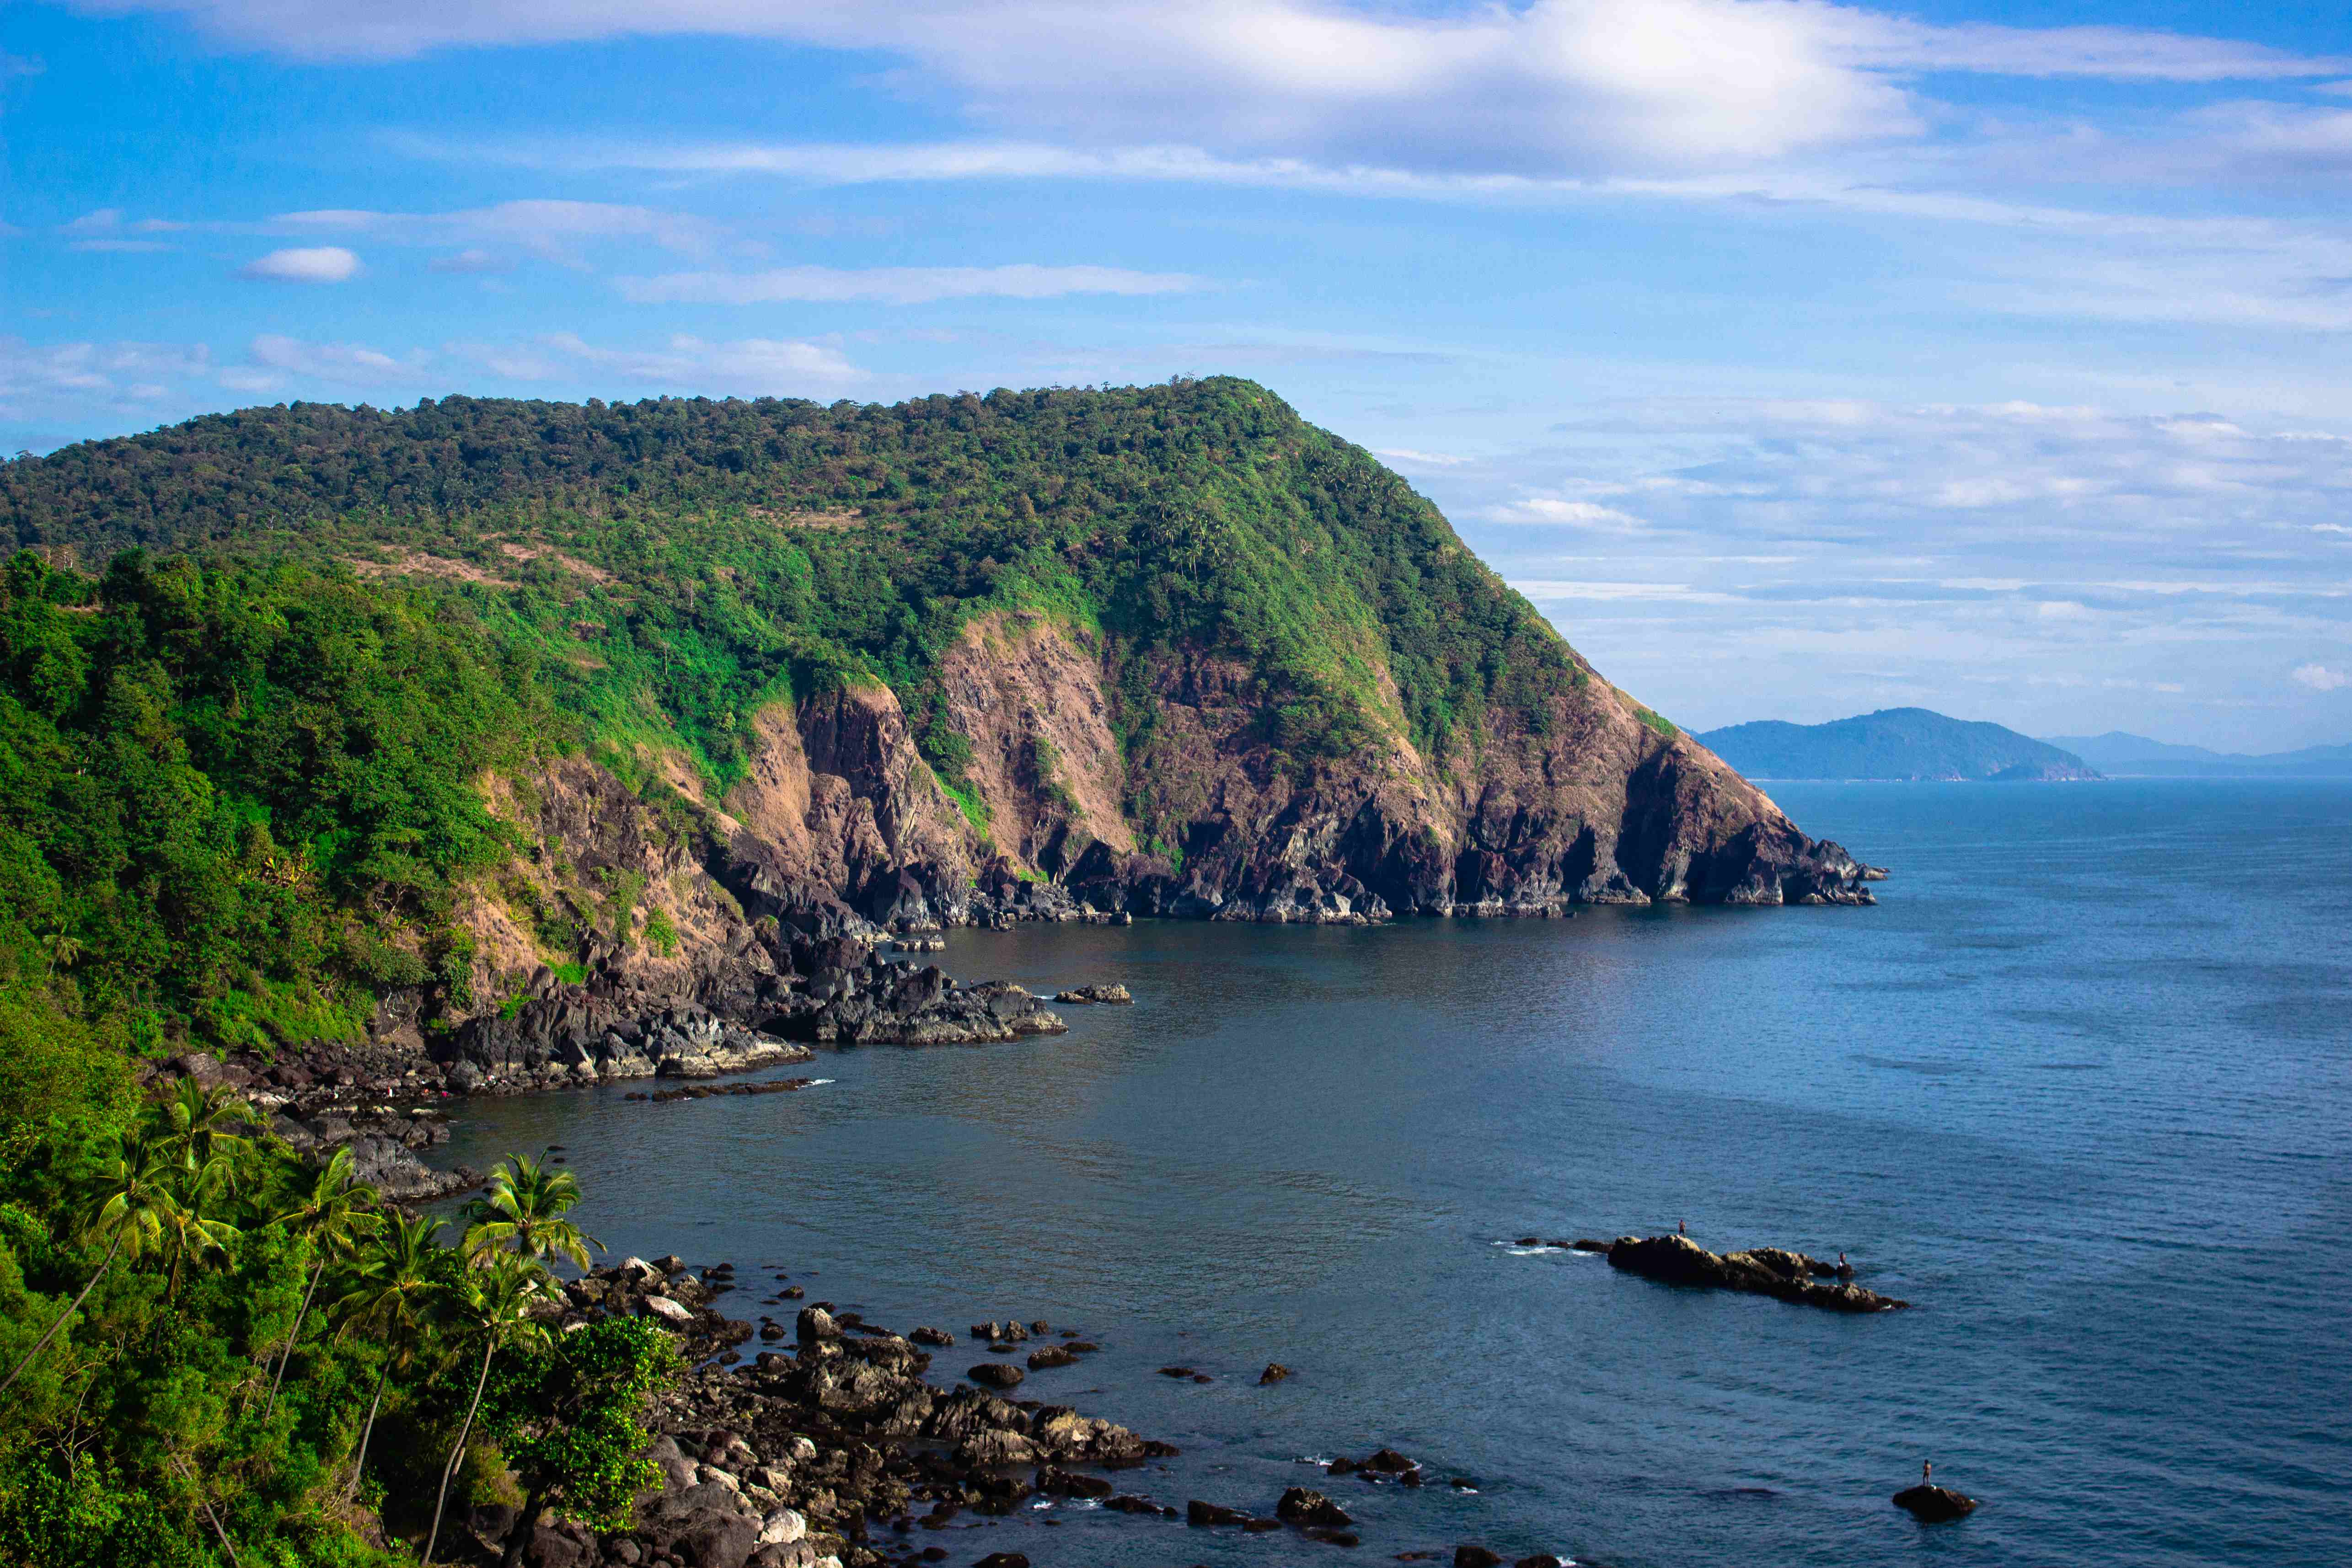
764, 1004
839, 1452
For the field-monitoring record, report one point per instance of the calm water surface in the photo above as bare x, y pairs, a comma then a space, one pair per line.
2078, 1088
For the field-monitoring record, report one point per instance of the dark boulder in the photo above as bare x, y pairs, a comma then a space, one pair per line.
996, 1375
703, 1525
1054, 1481
1935, 1505
1301, 1506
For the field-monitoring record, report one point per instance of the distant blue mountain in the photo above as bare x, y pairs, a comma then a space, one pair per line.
2138, 755
1906, 743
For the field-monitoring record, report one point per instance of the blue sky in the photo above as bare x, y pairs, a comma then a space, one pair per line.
1796, 359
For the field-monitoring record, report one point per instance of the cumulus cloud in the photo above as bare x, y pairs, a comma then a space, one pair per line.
305, 264
898, 285
2320, 678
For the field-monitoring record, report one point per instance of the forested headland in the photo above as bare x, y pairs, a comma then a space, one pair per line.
290, 699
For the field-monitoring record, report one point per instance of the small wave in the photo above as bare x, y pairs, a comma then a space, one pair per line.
1323, 1459
1533, 1252
821, 1082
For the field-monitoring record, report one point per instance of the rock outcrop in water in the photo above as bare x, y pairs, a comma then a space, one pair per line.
788, 1461
1761, 1270
1934, 1504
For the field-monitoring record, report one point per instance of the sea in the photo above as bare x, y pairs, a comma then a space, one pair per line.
2079, 1088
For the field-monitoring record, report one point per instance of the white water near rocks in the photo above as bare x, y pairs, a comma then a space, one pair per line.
2081, 1088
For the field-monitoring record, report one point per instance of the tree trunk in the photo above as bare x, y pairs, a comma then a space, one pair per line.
368, 1430
210, 1517
43, 1343
489, 1348
296, 1338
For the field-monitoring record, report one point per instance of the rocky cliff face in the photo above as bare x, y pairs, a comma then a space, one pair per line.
1205, 818
839, 828
762, 907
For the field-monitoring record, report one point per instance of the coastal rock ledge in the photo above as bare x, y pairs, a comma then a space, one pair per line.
1773, 1272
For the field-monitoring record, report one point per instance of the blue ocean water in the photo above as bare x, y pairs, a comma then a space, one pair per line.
2078, 1088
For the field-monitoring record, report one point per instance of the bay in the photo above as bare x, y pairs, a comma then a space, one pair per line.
2078, 1088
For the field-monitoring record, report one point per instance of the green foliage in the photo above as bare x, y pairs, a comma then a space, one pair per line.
224, 786
1657, 722
197, 1332
661, 933
566, 1420
691, 559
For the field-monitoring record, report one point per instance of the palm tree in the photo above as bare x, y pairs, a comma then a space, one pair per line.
63, 949
188, 1231
523, 1212
496, 1297
399, 1281
129, 1204
334, 1216
201, 1120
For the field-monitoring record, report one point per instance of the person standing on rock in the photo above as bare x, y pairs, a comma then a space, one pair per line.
1680, 1228
1927, 1472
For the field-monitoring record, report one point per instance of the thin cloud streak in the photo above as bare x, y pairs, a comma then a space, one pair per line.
899, 285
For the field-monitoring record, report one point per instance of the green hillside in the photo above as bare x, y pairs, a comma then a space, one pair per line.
736, 546
241, 758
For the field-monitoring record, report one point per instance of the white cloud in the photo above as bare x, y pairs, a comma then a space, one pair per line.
276, 362
305, 264
2320, 678
1553, 509
104, 230
1847, 554
1551, 86
745, 366
347, 364
548, 228
899, 285
114, 373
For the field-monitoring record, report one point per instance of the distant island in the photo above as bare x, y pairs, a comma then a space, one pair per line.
2136, 755
1912, 744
